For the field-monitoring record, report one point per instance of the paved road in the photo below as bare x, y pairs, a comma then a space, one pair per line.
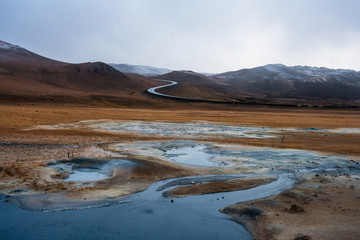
171, 83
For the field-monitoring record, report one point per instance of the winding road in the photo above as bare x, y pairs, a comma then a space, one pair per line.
153, 91
171, 83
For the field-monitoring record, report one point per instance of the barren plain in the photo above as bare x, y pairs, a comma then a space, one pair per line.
321, 205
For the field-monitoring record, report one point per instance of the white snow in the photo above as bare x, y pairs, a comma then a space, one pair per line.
4, 45
138, 69
276, 68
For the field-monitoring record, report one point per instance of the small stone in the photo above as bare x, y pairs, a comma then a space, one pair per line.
300, 236
296, 208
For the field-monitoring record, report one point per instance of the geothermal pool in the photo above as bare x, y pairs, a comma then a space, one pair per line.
89, 170
260, 160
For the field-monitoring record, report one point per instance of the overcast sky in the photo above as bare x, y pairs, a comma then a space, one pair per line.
201, 35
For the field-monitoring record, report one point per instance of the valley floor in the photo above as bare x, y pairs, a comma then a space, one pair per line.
326, 207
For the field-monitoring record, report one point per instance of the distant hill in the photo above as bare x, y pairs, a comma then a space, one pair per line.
141, 70
272, 84
195, 85
27, 76
277, 80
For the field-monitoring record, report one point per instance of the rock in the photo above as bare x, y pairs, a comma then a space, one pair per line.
296, 208
296, 194
250, 212
166, 194
300, 236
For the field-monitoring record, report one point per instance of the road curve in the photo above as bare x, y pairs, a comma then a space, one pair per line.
171, 83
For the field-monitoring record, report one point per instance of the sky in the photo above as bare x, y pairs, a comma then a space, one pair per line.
211, 36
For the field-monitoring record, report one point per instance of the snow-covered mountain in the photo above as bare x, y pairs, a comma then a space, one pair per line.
282, 72
5, 45
146, 71
13, 53
277, 80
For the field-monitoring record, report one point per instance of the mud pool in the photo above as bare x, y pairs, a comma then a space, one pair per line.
89, 169
195, 129
242, 158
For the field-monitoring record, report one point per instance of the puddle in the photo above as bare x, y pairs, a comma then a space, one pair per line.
192, 156
82, 169
86, 175
345, 130
183, 152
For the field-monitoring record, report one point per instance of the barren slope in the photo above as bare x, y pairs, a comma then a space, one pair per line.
25, 75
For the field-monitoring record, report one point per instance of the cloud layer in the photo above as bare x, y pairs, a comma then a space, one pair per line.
201, 35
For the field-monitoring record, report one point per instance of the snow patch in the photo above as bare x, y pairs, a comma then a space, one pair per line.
7, 46
138, 69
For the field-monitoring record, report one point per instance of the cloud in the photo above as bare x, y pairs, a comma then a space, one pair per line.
202, 35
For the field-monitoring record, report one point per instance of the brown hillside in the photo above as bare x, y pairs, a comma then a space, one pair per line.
196, 86
23, 73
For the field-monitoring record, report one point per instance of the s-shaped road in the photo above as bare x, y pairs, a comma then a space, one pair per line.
171, 83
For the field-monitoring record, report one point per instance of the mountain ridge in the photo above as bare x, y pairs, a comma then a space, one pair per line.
27, 75
146, 71
278, 80
23, 72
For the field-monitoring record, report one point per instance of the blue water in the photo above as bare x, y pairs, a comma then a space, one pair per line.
147, 220
146, 215
135, 220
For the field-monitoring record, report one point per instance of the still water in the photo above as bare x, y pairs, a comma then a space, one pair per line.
145, 215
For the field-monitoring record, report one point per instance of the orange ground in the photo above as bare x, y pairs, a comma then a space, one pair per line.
20, 165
